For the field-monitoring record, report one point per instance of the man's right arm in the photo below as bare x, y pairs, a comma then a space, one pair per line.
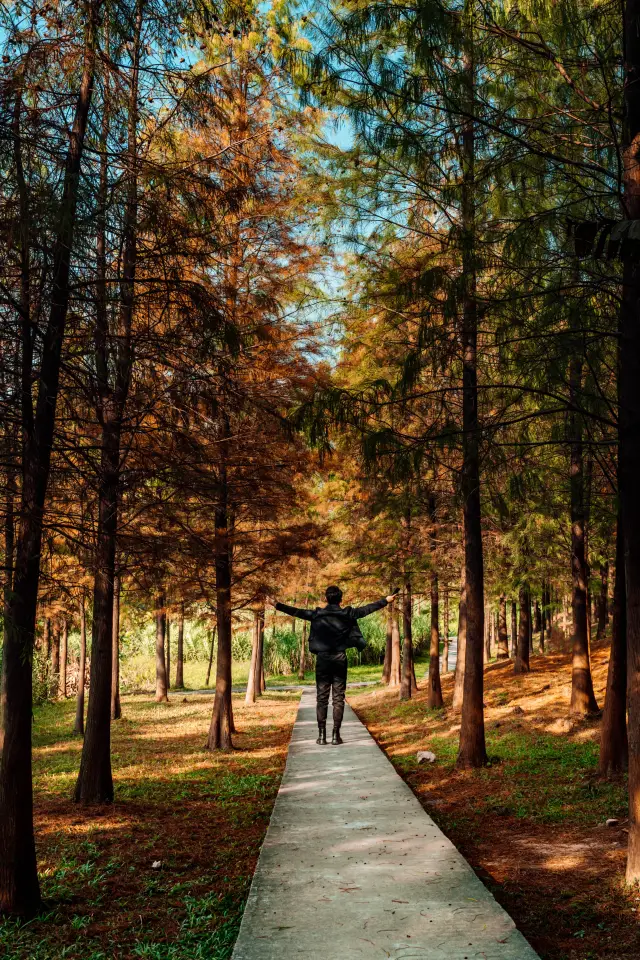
298, 612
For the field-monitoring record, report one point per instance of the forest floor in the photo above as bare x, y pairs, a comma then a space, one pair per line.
204, 816
532, 824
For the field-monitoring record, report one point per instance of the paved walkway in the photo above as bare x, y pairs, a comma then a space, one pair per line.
352, 867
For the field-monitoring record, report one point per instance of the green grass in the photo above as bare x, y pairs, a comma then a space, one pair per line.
138, 674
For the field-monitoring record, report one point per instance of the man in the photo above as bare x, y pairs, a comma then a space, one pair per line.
333, 630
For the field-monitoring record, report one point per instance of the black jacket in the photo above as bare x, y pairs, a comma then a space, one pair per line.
333, 628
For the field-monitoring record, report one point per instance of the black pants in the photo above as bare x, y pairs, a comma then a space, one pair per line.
331, 674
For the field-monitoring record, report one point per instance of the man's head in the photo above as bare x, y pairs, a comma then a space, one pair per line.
333, 594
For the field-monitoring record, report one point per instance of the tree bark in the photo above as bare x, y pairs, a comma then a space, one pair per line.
55, 659
213, 643
386, 667
487, 634
395, 672
303, 651
167, 647
161, 663
629, 414
614, 744
64, 656
522, 652
602, 601
434, 693
221, 726
458, 686
406, 684
583, 699
9, 541
472, 751
180, 651
445, 649
116, 709
514, 629
503, 638
19, 888
250, 696
95, 781
82, 668
260, 678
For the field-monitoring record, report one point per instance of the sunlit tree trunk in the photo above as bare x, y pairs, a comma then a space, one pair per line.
250, 696
395, 672
211, 649
180, 651
161, 663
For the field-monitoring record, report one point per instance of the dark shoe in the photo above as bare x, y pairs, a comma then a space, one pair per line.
336, 738
322, 733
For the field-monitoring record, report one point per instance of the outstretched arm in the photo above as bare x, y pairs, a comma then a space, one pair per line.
360, 612
298, 612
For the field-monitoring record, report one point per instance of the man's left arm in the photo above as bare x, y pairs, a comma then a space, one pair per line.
360, 612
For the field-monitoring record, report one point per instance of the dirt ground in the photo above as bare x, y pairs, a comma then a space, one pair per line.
533, 823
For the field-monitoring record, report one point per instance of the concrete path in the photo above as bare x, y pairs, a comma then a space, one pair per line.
352, 867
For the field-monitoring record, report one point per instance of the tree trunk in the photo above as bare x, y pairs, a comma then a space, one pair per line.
434, 694
583, 700
629, 415
614, 744
19, 888
503, 638
161, 663
386, 668
395, 672
222, 718
250, 696
303, 651
602, 601
95, 782
472, 751
55, 660
544, 614
260, 678
46, 638
9, 541
168, 651
180, 651
116, 709
445, 650
82, 669
64, 656
514, 629
487, 634
458, 686
213, 643
406, 684
522, 653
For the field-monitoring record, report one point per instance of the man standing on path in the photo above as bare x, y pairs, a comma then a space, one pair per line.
333, 630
